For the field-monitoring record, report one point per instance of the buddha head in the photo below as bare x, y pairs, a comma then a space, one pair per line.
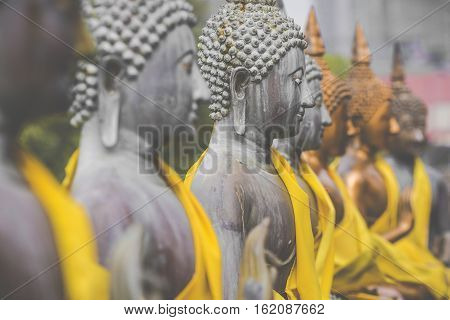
316, 119
409, 110
253, 61
370, 111
145, 73
36, 63
336, 93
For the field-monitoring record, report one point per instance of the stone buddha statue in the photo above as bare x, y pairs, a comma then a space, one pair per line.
35, 211
431, 210
146, 81
252, 58
322, 211
371, 125
310, 134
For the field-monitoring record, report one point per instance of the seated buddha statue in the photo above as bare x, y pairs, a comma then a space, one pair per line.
146, 81
252, 58
45, 251
372, 123
428, 189
365, 174
322, 211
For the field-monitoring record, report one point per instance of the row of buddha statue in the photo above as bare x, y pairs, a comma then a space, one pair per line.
312, 186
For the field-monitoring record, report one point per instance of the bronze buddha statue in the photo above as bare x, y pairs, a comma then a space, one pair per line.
371, 124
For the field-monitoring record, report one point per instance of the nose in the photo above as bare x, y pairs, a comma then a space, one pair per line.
394, 127
201, 91
307, 97
326, 118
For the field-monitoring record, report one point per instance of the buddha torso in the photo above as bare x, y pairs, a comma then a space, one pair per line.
366, 186
312, 203
29, 268
116, 194
238, 202
333, 192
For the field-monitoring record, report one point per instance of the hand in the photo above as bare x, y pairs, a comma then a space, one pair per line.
405, 212
256, 277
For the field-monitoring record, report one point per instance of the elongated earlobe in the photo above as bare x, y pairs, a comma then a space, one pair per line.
109, 101
240, 78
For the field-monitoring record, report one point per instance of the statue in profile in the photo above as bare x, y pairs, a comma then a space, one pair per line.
46, 250
429, 193
322, 211
253, 60
151, 231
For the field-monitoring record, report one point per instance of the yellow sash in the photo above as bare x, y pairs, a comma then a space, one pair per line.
84, 278
421, 205
414, 244
355, 249
206, 282
303, 280
327, 219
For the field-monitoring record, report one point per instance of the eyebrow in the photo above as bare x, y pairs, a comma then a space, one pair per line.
296, 70
189, 52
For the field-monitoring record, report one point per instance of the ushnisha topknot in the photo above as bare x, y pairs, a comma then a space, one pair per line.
129, 29
244, 33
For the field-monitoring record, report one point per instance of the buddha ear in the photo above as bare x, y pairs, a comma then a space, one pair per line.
240, 78
109, 100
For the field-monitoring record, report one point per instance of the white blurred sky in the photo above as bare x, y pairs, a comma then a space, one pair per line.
298, 9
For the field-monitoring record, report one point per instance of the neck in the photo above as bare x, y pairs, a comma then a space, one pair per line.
289, 151
317, 159
91, 146
251, 148
407, 159
361, 150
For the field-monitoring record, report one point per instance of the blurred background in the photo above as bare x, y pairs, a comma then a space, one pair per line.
421, 27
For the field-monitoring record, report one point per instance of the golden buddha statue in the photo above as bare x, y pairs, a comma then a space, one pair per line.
371, 123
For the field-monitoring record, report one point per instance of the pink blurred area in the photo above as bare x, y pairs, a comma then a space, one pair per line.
434, 89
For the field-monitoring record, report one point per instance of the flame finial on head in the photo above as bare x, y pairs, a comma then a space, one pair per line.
316, 47
361, 52
403, 100
368, 92
398, 69
334, 90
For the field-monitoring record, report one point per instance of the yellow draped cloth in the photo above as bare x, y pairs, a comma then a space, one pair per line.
84, 278
303, 281
403, 261
206, 282
327, 219
364, 258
